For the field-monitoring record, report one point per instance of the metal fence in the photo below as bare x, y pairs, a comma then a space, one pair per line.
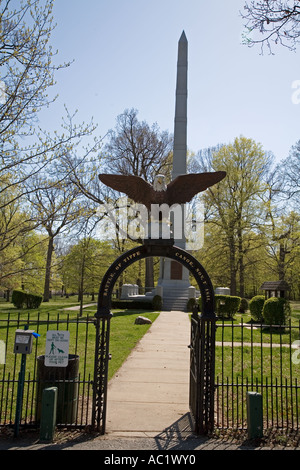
259, 358
74, 393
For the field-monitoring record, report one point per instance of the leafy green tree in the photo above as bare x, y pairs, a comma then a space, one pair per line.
290, 174
235, 205
57, 209
284, 247
33, 248
84, 265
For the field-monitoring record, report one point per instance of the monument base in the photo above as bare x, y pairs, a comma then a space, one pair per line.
174, 285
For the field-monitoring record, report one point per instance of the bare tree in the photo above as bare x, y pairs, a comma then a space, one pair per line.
135, 148
27, 73
276, 21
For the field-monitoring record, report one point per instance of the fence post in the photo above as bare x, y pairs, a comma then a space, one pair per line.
48, 414
254, 415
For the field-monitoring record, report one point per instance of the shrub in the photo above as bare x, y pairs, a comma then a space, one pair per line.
157, 302
244, 306
191, 304
33, 300
227, 305
256, 305
18, 298
276, 311
131, 304
21, 299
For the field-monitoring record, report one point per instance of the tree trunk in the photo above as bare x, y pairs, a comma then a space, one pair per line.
48, 269
232, 266
281, 263
242, 275
81, 285
241, 264
149, 274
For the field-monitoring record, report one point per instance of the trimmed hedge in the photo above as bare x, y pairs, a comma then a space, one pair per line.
127, 304
227, 305
276, 311
256, 305
33, 300
131, 304
20, 299
244, 306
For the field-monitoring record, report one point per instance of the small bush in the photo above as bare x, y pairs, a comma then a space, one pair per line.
227, 305
33, 300
244, 306
191, 304
18, 298
157, 302
256, 305
276, 311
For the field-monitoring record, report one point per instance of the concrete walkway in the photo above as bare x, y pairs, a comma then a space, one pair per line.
150, 392
77, 307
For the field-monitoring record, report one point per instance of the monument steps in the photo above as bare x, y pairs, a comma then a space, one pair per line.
175, 299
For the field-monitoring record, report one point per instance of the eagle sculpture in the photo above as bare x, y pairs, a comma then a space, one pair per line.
179, 191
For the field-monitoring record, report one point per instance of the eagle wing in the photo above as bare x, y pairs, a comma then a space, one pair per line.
134, 186
183, 188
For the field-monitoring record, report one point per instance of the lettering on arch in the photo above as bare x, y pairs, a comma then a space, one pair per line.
144, 251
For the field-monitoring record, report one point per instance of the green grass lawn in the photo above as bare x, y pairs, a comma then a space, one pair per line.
124, 333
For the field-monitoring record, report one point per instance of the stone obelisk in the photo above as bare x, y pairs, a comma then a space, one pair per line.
174, 278
180, 122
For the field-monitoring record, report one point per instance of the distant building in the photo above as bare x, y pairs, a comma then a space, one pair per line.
275, 289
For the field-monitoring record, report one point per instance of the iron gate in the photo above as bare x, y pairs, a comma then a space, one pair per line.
202, 371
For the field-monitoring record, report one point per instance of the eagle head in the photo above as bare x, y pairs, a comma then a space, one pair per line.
159, 183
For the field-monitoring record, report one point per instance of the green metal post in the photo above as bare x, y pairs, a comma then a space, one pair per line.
254, 415
21, 380
48, 414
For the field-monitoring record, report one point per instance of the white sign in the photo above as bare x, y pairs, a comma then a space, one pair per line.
22, 339
57, 348
2, 352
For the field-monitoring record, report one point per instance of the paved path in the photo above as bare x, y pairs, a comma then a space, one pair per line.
77, 307
150, 392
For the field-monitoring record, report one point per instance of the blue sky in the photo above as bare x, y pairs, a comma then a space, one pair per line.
125, 54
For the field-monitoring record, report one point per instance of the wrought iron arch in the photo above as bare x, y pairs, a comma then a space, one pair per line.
148, 250
205, 329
